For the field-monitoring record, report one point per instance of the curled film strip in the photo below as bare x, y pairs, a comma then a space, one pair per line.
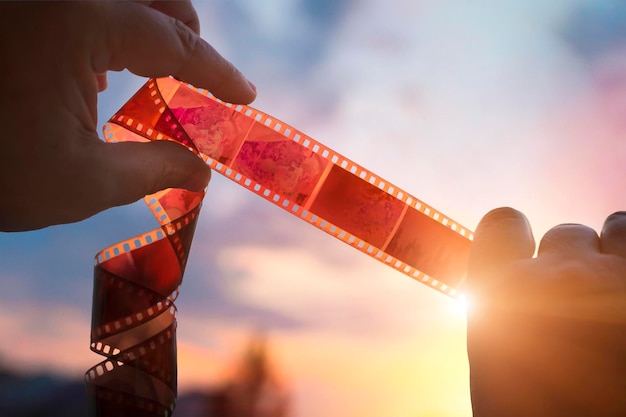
136, 281
134, 317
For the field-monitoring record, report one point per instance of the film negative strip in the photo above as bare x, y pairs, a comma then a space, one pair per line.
305, 178
136, 281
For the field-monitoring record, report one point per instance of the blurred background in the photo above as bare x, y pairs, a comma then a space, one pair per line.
466, 105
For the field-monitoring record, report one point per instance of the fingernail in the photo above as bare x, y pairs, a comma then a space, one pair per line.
252, 86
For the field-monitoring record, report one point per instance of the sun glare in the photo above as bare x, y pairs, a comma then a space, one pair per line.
461, 305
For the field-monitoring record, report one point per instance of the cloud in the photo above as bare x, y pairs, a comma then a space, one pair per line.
281, 41
593, 28
45, 336
359, 300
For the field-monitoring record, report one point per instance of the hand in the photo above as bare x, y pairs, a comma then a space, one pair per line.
547, 335
53, 167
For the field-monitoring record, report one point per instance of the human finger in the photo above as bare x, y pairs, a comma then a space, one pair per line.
567, 253
181, 10
152, 44
503, 235
569, 239
137, 169
613, 235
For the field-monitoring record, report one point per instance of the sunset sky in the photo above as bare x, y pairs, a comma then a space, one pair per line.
467, 105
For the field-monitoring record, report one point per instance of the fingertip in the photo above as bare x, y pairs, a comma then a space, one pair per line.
503, 223
252, 86
503, 213
569, 238
613, 235
502, 220
236, 89
221, 77
617, 219
137, 169
503, 235
183, 168
204, 67
253, 92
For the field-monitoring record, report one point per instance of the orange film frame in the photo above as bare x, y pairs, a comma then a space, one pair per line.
136, 281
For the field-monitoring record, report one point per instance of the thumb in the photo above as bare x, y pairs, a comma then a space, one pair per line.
136, 169
503, 235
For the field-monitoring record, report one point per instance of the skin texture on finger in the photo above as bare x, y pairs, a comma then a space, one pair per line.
181, 10
151, 43
572, 252
569, 238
